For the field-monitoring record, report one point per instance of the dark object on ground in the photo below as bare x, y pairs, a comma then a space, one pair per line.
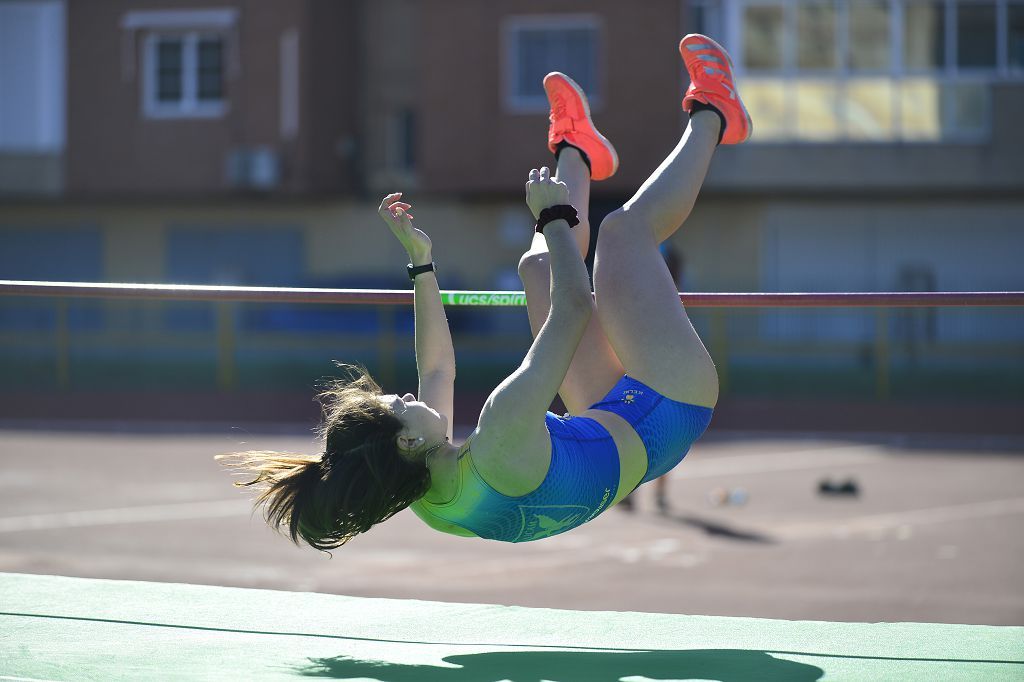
848, 487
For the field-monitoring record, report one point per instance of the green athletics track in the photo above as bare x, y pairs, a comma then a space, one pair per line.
58, 628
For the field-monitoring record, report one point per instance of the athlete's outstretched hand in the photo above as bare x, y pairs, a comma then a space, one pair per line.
395, 213
543, 192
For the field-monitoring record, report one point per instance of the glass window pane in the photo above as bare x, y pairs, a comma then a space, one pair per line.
1015, 37
168, 87
976, 35
766, 101
762, 37
869, 109
168, 70
168, 53
400, 151
969, 107
920, 111
869, 36
707, 17
531, 49
211, 81
408, 131
817, 110
210, 86
210, 51
578, 53
816, 35
540, 51
924, 35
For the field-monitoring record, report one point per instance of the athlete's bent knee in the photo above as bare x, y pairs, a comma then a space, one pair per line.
615, 222
626, 224
534, 265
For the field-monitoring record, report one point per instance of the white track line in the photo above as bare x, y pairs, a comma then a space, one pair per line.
710, 466
24, 679
916, 517
126, 515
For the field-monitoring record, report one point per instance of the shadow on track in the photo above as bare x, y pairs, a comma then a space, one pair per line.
725, 665
717, 529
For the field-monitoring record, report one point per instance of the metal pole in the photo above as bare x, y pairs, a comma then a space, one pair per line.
882, 359
227, 376
497, 298
62, 346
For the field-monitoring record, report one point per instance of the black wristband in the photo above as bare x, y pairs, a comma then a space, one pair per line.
561, 212
414, 270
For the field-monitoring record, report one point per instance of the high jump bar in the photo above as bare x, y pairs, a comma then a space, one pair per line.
193, 292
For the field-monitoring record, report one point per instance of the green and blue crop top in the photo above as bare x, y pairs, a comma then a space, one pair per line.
581, 482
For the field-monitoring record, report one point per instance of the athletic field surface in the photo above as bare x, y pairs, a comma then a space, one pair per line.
58, 628
170, 576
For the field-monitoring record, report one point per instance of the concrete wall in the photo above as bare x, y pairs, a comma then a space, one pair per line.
446, 60
763, 243
390, 41
332, 73
729, 244
472, 243
473, 144
114, 149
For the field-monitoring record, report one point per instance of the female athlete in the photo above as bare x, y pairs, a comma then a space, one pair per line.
637, 381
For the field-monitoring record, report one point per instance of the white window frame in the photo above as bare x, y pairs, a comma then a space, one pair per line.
189, 106
512, 25
190, 25
213, 18
949, 75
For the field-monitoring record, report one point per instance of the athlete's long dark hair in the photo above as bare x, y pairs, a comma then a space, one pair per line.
359, 479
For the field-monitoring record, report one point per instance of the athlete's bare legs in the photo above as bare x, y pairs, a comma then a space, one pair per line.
637, 302
595, 367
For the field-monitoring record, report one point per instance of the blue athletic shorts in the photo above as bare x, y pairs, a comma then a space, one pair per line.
667, 427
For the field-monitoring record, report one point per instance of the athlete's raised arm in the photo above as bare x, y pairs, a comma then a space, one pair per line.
435, 356
523, 398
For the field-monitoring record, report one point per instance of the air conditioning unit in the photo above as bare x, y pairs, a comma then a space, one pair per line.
256, 168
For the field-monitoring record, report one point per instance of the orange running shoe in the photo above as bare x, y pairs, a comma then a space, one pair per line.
570, 122
711, 82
